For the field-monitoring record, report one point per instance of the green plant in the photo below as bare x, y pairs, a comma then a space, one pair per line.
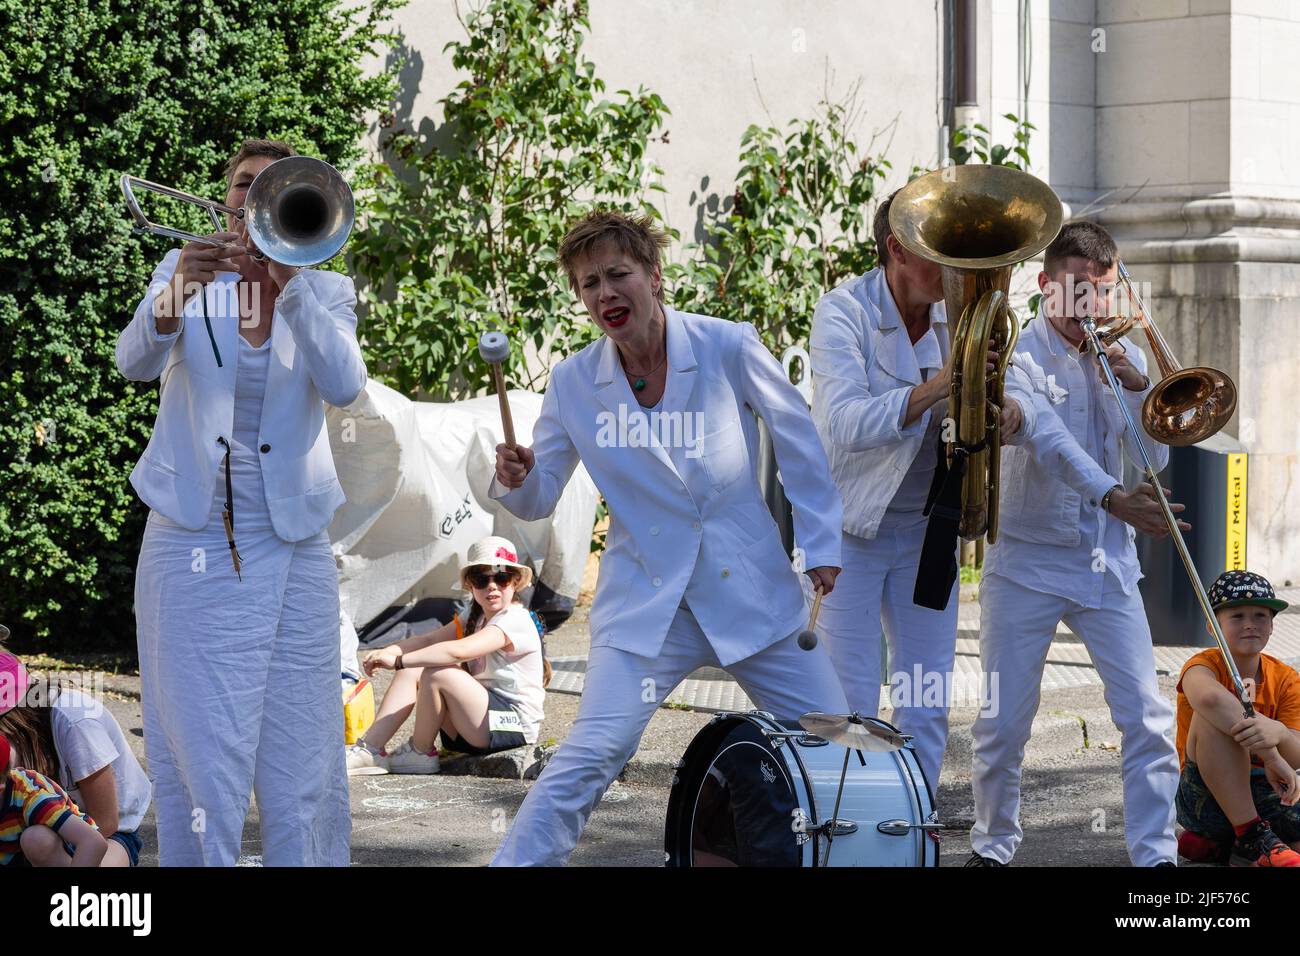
974, 144
91, 89
462, 225
798, 223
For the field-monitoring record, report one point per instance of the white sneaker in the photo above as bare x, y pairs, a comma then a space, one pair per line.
406, 759
363, 761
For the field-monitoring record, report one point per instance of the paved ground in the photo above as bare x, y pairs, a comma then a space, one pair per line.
1072, 814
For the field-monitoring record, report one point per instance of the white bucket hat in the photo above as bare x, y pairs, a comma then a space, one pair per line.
495, 552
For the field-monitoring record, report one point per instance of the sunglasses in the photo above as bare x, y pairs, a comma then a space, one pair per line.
480, 579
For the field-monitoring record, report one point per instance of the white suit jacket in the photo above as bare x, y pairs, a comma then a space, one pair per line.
1048, 476
314, 357
704, 532
863, 375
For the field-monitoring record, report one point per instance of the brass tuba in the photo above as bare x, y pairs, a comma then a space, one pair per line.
977, 223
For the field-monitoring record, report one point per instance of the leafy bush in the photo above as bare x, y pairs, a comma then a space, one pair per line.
462, 226
798, 224
91, 89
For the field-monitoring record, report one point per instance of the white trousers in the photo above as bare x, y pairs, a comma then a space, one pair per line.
873, 594
1016, 629
620, 695
240, 692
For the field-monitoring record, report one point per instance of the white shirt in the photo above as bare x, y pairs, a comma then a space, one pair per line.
246, 484
516, 674
88, 739
1054, 537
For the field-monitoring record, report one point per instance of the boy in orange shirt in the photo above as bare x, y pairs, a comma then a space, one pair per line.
1237, 793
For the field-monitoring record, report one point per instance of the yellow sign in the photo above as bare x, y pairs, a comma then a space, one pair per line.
1235, 539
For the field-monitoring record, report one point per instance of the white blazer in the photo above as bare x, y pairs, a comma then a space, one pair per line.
702, 532
863, 376
1048, 476
314, 357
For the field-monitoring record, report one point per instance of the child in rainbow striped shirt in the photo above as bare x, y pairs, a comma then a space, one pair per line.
39, 821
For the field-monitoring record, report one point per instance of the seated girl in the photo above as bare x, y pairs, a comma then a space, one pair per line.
72, 738
480, 683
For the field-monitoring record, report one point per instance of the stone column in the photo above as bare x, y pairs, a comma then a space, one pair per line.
1198, 173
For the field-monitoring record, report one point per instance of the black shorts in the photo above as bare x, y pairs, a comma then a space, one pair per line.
1200, 813
502, 715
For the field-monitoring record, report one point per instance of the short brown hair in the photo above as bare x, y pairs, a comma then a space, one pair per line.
275, 148
637, 236
1084, 239
880, 230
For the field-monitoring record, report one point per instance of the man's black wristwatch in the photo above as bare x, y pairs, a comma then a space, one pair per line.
1105, 499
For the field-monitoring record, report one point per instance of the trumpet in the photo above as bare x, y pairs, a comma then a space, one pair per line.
298, 211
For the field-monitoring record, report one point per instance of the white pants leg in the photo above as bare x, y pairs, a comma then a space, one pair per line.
788, 682
620, 695
1016, 629
873, 596
301, 778
1118, 639
230, 667
205, 644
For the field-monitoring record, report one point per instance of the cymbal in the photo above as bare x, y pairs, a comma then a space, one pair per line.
852, 731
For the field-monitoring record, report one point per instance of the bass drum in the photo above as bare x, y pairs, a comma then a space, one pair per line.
751, 792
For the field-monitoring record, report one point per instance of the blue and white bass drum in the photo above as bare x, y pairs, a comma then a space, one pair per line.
751, 792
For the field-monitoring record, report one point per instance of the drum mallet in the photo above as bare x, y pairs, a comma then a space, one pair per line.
808, 638
494, 347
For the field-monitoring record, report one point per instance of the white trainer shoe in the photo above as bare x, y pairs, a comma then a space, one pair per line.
406, 759
363, 760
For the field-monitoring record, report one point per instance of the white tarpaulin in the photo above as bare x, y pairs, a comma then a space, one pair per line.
416, 476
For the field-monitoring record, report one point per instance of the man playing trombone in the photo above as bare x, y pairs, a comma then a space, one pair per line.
1066, 552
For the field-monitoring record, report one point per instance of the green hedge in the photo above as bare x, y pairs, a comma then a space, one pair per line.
90, 89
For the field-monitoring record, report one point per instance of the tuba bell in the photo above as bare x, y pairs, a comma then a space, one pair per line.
977, 223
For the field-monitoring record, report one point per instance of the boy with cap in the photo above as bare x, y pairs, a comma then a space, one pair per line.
1237, 792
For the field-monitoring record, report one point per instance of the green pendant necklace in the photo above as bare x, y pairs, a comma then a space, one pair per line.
639, 383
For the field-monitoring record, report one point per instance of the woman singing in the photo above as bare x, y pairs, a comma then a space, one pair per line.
236, 594
660, 411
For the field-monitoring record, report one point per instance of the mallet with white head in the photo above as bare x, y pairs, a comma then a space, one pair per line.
495, 349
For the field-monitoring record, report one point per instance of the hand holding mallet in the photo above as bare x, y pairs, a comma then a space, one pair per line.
808, 638
494, 347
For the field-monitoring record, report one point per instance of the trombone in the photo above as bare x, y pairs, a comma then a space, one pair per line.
1187, 405
298, 211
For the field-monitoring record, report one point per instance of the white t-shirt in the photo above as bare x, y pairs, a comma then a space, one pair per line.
516, 674
88, 738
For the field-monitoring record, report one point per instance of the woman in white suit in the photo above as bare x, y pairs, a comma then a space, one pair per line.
694, 573
236, 594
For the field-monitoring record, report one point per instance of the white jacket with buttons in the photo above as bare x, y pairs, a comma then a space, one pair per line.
314, 359
702, 530
1047, 477
863, 377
